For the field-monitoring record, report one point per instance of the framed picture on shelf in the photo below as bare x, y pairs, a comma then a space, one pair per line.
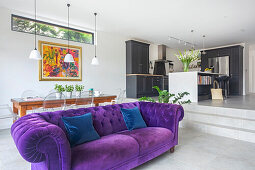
53, 68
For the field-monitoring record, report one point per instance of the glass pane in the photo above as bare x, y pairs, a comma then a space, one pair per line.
22, 24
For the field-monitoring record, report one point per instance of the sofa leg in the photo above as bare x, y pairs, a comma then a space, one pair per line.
172, 150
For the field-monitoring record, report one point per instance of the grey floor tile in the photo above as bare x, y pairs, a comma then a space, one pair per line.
196, 151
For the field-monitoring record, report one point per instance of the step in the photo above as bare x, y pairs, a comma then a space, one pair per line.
228, 122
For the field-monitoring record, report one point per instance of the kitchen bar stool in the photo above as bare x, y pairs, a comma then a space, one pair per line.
224, 84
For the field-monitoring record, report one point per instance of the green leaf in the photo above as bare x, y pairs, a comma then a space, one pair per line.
149, 99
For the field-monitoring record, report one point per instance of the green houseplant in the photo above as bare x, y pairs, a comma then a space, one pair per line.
69, 89
59, 89
165, 96
78, 90
187, 57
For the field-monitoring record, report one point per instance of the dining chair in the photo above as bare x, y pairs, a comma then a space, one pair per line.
83, 101
120, 97
5, 108
50, 103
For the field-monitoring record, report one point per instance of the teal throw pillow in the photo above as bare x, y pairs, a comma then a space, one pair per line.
80, 129
133, 118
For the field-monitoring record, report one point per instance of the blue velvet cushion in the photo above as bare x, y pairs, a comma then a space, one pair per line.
133, 118
80, 129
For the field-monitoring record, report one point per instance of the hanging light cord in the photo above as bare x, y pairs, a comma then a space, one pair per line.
68, 5
95, 34
35, 24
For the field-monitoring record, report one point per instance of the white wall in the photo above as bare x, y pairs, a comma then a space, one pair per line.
246, 72
18, 73
170, 55
252, 68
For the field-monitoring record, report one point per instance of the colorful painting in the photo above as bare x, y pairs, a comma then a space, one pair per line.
52, 66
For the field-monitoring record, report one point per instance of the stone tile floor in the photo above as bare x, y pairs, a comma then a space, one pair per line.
196, 151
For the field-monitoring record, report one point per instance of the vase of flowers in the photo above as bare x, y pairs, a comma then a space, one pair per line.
69, 89
59, 89
187, 57
78, 90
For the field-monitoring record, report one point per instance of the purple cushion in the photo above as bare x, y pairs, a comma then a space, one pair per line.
150, 138
104, 153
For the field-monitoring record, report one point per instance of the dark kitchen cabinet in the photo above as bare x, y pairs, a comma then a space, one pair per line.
157, 81
224, 52
141, 85
234, 85
235, 54
144, 85
137, 57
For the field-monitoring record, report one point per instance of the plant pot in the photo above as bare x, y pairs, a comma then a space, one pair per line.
68, 94
58, 95
78, 93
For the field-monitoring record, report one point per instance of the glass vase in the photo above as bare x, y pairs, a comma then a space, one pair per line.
185, 66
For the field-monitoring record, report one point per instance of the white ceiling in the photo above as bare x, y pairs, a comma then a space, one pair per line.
223, 22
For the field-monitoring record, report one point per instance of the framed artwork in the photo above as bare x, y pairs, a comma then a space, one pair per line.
53, 68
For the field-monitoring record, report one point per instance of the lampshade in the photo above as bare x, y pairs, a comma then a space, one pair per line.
35, 54
95, 61
68, 58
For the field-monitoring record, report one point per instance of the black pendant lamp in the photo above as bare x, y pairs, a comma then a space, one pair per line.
35, 54
95, 60
68, 57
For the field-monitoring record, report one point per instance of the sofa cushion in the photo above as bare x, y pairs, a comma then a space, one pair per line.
150, 138
80, 129
133, 118
104, 153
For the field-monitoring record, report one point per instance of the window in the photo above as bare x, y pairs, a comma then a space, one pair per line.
27, 25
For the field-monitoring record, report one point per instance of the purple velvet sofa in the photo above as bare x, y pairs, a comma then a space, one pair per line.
42, 140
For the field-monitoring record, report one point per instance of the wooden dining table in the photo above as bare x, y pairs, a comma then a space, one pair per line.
20, 105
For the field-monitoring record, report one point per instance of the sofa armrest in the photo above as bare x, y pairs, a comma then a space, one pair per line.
162, 115
39, 141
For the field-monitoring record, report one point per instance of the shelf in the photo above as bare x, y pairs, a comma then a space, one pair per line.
204, 84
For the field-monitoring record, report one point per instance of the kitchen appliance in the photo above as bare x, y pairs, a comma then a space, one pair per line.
162, 66
219, 65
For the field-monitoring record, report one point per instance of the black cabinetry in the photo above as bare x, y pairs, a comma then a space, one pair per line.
235, 54
137, 57
141, 85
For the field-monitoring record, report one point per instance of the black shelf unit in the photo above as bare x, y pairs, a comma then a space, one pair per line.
204, 90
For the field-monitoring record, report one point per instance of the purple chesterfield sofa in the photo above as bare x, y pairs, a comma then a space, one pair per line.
42, 140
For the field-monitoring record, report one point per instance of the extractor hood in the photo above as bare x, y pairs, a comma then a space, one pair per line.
162, 65
162, 54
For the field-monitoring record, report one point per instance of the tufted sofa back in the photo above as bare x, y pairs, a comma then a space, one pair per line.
106, 119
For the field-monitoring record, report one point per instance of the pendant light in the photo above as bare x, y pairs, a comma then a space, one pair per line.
68, 57
203, 45
95, 60
35, 54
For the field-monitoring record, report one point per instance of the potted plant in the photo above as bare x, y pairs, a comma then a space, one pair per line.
78, 90
69, 89
187, 57
164, 97
59, 89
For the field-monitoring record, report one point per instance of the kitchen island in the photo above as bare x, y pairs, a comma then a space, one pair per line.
198, 84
